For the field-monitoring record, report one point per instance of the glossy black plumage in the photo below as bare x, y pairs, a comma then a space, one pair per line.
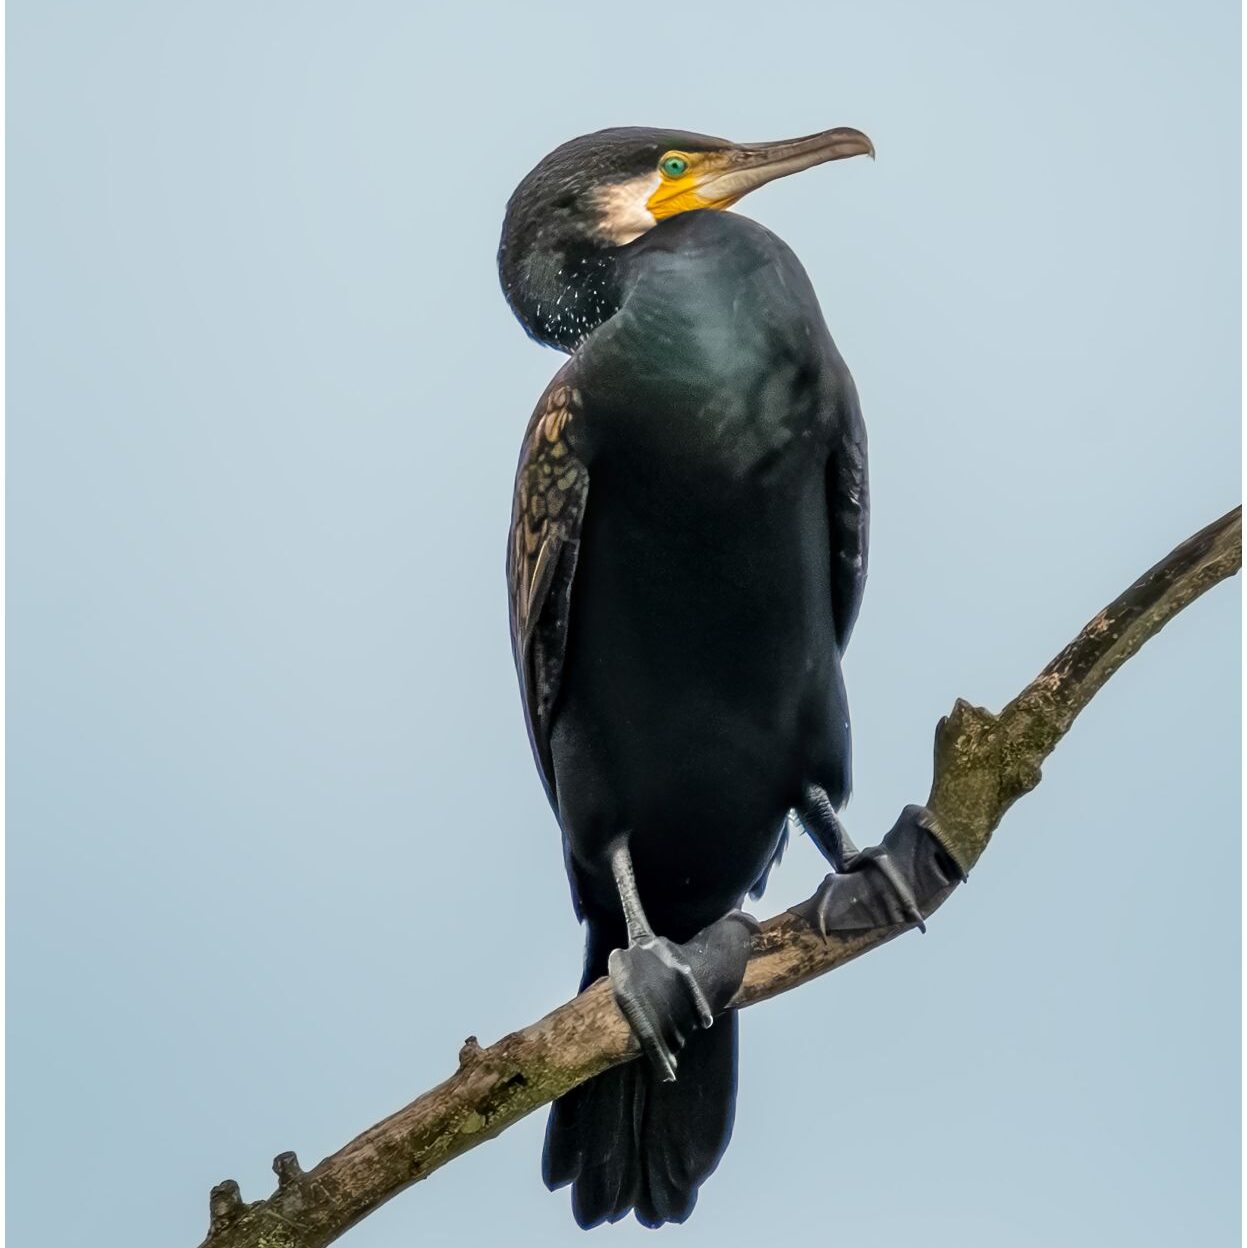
687, 558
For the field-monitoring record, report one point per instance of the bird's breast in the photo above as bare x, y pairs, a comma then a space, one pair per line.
713, 375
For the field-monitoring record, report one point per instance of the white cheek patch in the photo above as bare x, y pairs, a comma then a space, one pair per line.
623, 214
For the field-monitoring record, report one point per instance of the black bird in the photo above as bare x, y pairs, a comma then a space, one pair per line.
687, 556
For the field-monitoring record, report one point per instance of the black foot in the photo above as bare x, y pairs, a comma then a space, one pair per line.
667, 991
893, 884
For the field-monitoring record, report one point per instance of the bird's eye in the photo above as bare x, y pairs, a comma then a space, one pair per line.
673, 166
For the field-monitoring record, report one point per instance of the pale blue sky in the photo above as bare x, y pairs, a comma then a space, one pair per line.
276, 844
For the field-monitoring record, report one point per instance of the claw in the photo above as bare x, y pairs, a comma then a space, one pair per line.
649, 978
904, 894
667, 991
645, 1026
666, 953
892, 884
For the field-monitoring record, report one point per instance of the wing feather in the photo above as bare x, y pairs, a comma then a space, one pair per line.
551, 487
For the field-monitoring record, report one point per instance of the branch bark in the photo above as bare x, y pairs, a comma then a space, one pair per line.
983, 764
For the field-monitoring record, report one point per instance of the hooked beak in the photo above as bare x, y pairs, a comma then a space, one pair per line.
718, 179
752, 165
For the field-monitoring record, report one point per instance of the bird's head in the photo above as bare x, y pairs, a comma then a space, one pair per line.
598, 193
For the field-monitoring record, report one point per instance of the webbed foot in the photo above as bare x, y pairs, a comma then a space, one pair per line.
667, 991
893, 884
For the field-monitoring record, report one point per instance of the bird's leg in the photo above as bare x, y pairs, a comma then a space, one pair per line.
819, 818
892, 884
629, 897
667, 991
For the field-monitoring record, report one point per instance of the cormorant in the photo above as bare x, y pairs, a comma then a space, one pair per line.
686, 561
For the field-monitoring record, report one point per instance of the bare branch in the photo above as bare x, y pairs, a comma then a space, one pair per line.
983, 764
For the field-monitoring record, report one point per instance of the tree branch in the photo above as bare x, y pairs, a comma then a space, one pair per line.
983, 764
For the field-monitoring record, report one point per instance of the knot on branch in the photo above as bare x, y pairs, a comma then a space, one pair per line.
983, 764
225, 1206
966, 735
287, 1169
968, 775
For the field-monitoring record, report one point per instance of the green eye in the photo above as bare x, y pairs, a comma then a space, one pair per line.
673, 166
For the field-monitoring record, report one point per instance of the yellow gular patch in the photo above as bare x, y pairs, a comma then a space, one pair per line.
682, 194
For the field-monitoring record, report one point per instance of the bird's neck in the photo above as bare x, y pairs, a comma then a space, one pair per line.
562, 292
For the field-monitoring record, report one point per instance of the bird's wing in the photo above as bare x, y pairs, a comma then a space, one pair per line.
848, 507
551, 485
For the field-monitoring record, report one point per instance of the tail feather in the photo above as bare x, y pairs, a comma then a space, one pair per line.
591, 1143
627, 1141
687, 1125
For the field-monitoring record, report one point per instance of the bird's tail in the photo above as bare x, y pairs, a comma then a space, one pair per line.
626, 1140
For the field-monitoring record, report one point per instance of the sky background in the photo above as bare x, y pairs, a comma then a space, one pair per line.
276, 842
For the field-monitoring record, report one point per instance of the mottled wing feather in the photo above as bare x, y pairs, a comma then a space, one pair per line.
551, 486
